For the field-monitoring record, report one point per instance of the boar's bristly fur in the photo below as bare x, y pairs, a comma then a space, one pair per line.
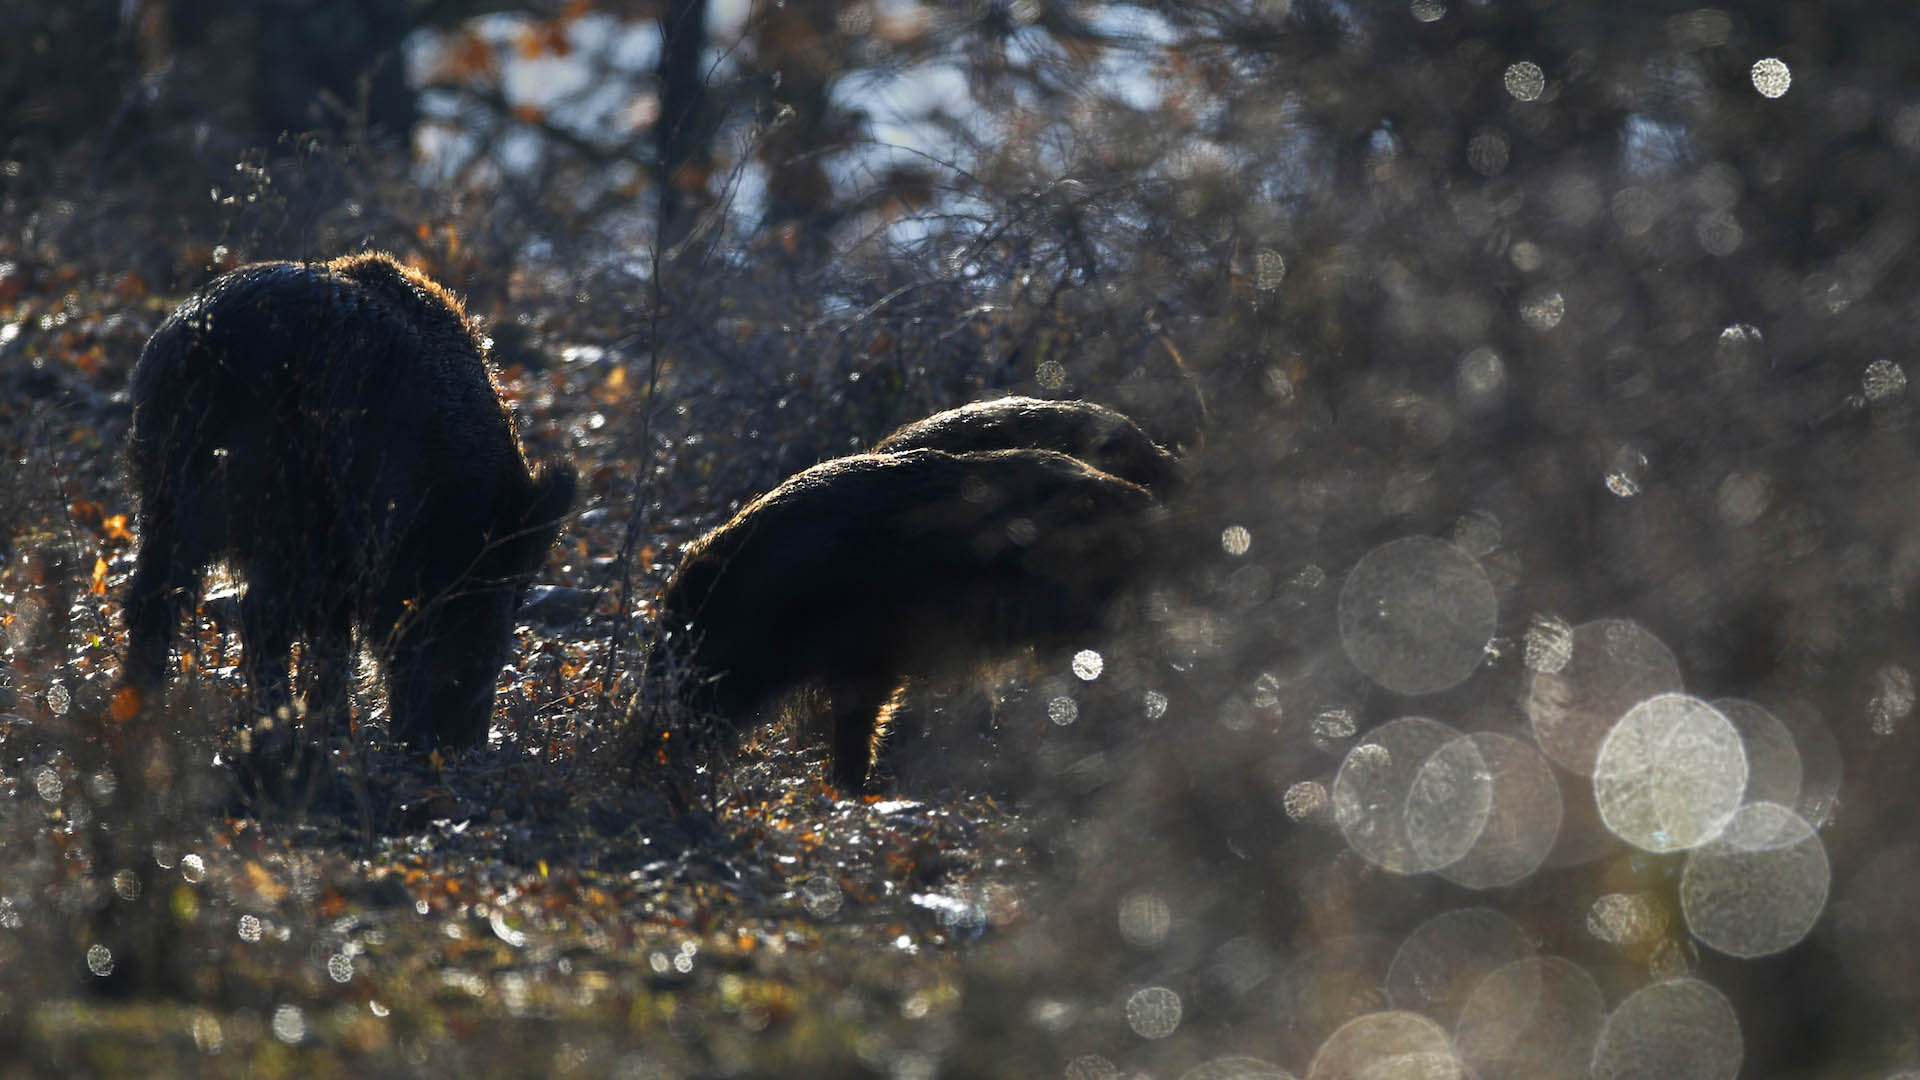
332, 432
862, 572
1095, 434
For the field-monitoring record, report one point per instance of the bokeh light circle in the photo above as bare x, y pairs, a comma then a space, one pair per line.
1416, 615
1820, 763
1759, 886
1534, 1019
1153, 1012
1678, 1029
1609, 666
1522, 821
1236, 1068
1772, 77
1448, 803
1773, 761
1386, 1046
1670, 774
1436, 969
1370, 790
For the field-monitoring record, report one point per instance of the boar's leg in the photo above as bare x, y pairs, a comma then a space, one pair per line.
166, 577
854, 704
266, 636
328, 660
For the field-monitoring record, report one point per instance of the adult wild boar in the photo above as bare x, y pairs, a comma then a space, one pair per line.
332, 432
863, 572
1095, 434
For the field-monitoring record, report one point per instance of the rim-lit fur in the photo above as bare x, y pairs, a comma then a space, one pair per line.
865, 571
332, 431
1095, 434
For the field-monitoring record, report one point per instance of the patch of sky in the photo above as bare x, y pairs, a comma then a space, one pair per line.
1651, 147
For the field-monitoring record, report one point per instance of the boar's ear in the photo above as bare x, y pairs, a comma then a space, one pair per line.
526, 534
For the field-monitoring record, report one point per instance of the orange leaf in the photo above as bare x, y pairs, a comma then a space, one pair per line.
125, 705
473, 56
528, 114
99, 586
115, 528
264, 882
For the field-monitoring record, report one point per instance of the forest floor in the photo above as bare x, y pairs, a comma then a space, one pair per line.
516, 910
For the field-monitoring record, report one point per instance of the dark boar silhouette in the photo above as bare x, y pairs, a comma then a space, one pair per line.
864, 572
1095, 434
332, 432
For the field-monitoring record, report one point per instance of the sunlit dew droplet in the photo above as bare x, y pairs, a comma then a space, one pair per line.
47, 783
1153, 1012
1387, 1046
821, 896
1481, 380
1333, 725
1370, 790
1436, 968
1091, 1067
58, 699
1743, 498
1155, 704
1523, 816
1270, 269
1883, 379
1305, 801
1534, 1019
1063, 711
1488, 153
1544, 310
1612, 665
1626, 471
1429, 10
1626, 918
1773, 761
1759, 886
1476, 532
100, 960
1740, 336
1771, 77
1087, 665
1892, 699
1050, 375
1549, 644
289, 1024
1235, 540
1670, 774
1719, 233
1680, 1029
1525, 81
1416, 615
1145, 919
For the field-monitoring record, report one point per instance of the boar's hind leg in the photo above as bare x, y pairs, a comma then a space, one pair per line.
266, 635
328, 661
855, 704
166, 578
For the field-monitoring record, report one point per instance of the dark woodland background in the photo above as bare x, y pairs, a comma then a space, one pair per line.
1618, 298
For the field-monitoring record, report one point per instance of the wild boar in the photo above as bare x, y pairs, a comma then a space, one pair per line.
332, 432
1095, 434
861, 573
